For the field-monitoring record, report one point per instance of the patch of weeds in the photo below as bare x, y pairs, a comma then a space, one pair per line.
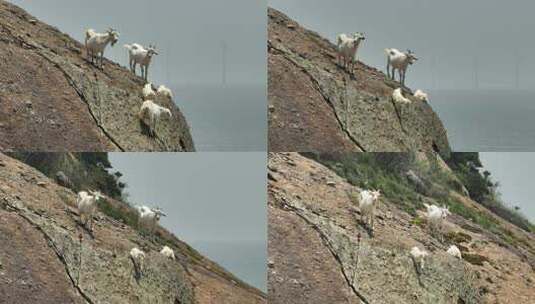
65, 197
467, 286
458, 237
123, 214
418, 221
475, 259
472, 214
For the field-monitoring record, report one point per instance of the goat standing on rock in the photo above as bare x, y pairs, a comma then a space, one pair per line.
168, 252
347, 49
150, 114
398, 97
421, 96
95, 44
418, 256
165, 91
138, 259
436, 216
367, 204
87, 206
148, 92
399, 61
142, 56
455, 252
149, 217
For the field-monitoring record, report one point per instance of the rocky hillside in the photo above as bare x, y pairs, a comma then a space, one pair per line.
315, 105
52, 99
46, 257
320, 252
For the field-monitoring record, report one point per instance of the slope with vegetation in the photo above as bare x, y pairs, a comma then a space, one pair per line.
320, 252
315, 105
53, 99
47, 257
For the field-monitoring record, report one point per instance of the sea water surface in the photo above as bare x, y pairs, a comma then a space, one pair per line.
487, 120
225, 118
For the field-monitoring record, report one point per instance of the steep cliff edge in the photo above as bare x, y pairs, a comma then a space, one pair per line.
316, 256
52, 99
314, 105
42, 259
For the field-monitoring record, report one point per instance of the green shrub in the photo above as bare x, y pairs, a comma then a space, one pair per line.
376, 171
122, 213
418, 221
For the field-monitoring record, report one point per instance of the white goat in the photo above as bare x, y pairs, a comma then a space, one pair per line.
347, 49
367, 206
399, 61
398, 97
138, 258
142, 56
454, 251
95, 44
435, 216
148, 92
165, 91
421, 96
149, 217
419, 256
168, 252
150, 114
87, 206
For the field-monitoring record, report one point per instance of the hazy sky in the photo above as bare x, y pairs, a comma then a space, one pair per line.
452, 33
514, 171
213, 201
189, 36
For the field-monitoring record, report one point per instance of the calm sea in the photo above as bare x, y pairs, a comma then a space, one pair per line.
487, 120
230, 118
246, 260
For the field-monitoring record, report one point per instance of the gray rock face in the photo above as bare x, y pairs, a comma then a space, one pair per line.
388, 275
106, 276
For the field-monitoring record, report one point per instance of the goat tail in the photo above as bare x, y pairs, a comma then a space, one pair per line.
388, 51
